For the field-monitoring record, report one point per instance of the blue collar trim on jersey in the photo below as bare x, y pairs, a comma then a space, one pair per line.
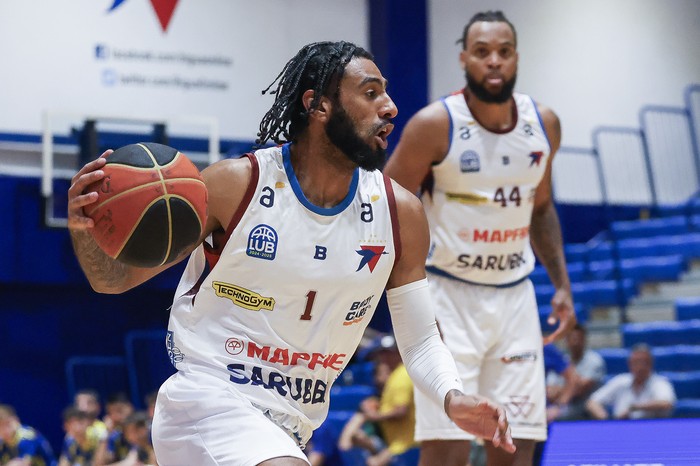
286, 157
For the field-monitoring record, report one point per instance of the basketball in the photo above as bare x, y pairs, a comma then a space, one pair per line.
151, 206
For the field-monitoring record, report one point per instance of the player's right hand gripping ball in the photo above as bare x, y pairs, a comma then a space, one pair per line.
151, 206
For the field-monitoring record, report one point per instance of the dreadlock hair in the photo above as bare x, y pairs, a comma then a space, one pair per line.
491, 16
319, 66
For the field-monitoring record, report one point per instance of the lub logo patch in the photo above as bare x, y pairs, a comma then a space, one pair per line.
163, 8
370, 256
262, 242
243, 297
469, 162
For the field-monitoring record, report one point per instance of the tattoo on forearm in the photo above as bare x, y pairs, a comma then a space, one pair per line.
97, 266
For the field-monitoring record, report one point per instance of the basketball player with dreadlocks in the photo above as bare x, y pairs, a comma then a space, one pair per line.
300, 242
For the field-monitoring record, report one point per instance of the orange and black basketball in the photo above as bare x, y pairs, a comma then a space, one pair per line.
152, 205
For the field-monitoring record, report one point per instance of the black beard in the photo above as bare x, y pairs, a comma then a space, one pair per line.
341, 132
487, 96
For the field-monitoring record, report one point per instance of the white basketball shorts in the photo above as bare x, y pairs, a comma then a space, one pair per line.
494, 335
197, 422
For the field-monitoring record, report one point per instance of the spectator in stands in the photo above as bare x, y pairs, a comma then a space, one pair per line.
151, 404
118, 408
590, 368
137, 432
323, 449
21, 445
88, 401
561, 379
641, 393
78, 448
394, 412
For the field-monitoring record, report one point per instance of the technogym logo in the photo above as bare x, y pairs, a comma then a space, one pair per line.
164, 10
243, 297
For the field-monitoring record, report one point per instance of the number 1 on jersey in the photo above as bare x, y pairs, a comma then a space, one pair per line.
310, 296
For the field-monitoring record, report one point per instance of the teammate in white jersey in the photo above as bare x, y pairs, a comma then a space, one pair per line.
483, 158
300, 242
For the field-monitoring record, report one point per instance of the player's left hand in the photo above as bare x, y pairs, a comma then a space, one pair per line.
481, 417
562, 311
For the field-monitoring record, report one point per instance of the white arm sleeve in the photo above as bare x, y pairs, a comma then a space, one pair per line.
427, 359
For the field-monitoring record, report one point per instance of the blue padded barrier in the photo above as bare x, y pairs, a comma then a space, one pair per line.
662, 333
685, 384
653, 269
148, 362
688, 308
649, 228
677, 358
348, 398
615, 360
104, 374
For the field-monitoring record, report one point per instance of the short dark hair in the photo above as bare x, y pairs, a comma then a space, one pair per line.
491, 16
137, 418
71, 412
318, 66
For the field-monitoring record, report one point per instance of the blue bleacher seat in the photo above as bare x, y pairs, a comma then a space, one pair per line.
677, 358
601, 270
688, 407
339, 419
647, 228
104, 374
148, 362
688, 308
592, 293
615, 360
578, 252
348, 398
662, 333
578, 271
601, 252
695, 222
539, 276
685, 384
653, 269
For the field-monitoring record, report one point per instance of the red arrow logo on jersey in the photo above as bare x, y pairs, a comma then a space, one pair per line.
370, 256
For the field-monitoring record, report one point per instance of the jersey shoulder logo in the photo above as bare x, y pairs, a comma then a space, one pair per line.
262, 242
469, 162
536, 158
370, 256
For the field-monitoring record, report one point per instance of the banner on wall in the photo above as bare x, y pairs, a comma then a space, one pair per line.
157, 58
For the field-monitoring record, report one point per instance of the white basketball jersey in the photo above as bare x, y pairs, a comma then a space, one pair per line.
279, 310
482, 197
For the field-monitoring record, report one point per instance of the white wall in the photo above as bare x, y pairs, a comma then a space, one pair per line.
595, 62
48, 56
